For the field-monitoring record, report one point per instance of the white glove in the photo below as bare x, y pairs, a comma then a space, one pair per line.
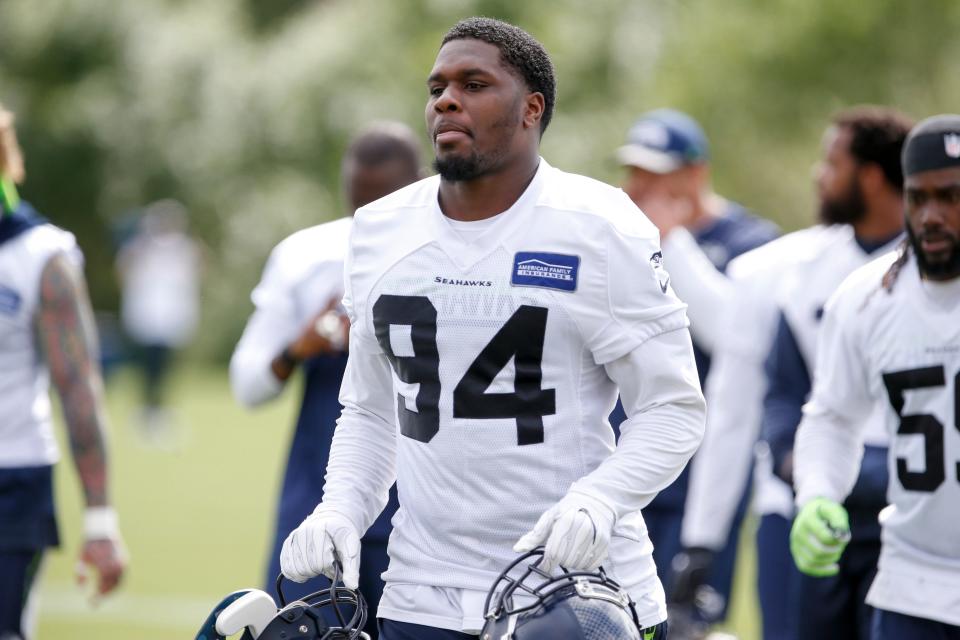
309, 549
575, 533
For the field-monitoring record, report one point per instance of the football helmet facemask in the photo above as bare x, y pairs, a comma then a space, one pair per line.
304, 619
574, 605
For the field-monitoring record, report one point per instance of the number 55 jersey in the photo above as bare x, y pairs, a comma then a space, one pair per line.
896, 343
487, 350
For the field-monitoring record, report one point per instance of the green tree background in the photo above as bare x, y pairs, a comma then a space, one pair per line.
241, 109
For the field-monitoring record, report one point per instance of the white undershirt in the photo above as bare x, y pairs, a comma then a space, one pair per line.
470, 230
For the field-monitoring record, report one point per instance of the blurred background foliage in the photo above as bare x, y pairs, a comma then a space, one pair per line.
241, 108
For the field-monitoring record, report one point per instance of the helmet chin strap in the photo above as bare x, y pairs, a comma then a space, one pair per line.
8, 194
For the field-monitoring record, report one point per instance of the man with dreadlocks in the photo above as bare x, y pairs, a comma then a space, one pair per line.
891, 342
860, 188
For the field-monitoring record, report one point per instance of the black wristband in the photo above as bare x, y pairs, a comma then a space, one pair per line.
288, 358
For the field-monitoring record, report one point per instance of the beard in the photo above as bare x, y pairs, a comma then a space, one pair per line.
944, 269
462, 168
472, 166
475, 164
847, 209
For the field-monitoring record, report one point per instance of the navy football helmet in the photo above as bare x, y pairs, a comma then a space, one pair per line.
574, 605
255, 613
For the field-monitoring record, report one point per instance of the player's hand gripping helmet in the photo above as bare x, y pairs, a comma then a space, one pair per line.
255, 613
573, 605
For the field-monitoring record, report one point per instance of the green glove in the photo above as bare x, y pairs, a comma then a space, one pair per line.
9, 199
819, 535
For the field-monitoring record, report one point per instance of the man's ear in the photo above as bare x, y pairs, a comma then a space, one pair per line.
533, 111
871, 177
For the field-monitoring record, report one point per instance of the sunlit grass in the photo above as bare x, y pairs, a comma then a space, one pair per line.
197, 517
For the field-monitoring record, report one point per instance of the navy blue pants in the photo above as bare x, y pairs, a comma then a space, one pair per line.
393, 630
154, 361
663, 526
664, 519
17, 572
888, 625
835, 608
777, 579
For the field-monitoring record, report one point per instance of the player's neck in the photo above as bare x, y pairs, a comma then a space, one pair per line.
489, 195
883, 221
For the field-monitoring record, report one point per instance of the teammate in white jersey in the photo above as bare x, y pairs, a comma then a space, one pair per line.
495, 311
746, 316
667, 163
297, 324
861, 187
891, 342
46, 332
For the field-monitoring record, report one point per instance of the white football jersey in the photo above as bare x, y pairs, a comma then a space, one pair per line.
497, 345
304, 272
808, 286
161, 288
897, 352
735, 389
26, 429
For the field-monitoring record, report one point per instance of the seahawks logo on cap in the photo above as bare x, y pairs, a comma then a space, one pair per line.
951, 144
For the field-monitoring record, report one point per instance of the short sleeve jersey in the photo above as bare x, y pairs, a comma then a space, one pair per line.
497, 345
26, 428
899, 351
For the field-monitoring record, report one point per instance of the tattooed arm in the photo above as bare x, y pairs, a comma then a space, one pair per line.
67, 333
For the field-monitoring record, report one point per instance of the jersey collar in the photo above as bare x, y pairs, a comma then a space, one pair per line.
466, 254
22, 219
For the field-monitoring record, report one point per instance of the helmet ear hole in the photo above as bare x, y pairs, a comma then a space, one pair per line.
298, 620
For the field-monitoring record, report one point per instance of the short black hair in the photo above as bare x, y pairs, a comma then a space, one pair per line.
519, 51
384, 142
877, 136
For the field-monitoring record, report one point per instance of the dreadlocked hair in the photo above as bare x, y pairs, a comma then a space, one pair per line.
890, 277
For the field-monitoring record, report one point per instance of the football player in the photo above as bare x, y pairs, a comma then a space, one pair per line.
734, 391
495, 311
667, 161
297, 324
748, 320
860, 186
890, 348
46, 333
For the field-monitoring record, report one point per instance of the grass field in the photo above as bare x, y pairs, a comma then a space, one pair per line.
196, 518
